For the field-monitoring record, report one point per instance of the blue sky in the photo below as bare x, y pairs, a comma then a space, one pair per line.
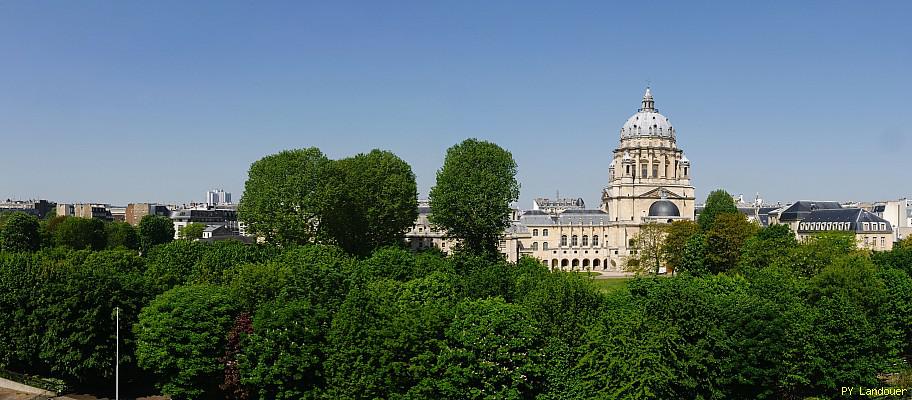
159, 101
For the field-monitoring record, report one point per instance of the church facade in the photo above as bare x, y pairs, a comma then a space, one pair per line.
648, 181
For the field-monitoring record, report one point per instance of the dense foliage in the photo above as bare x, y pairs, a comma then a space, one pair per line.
374, 200
20, 232
214, 320
718, 202
154, 230
471, 200
359, 203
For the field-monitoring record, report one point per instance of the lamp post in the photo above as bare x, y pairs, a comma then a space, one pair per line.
117, 355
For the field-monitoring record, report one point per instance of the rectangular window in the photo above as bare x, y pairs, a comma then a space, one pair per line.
655, 170
645, 171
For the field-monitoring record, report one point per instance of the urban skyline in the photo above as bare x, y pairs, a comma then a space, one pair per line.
166, 108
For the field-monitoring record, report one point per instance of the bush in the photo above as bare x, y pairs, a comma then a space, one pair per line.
181, 336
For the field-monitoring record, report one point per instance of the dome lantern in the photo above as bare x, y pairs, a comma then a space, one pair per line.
648, 102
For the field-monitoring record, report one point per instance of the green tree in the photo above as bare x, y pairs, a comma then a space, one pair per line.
472, 197
192, 231
154, 230
491, 352
180, 337
20, 233
769, 244
898, 306
255, 284
693, 260
385, 338
22, 279
817, 252
121, 234
852, 339
648, 244
80, 233
284, 196
373, 201
77, 316
718, 202
627, 354
283, 357
172, 264
724, 240
678, 233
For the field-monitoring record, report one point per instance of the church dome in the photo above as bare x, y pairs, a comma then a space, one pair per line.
647, 121
664, 208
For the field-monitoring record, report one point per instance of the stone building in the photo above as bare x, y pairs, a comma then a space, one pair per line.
648, 182
136, 211
899, 214
871, 231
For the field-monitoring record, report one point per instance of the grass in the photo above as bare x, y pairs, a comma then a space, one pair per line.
610, 284
584, 273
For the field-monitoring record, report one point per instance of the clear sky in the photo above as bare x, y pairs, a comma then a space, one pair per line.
128, 101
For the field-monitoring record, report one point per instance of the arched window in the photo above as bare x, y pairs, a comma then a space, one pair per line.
534, 245
594, 240
585, 240
564, 263
574, 240
595, 263
544, 232
544, 245
563, 240
535, 232
685, 171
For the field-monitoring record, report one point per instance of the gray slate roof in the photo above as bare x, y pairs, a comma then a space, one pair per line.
800, 209
574, 217
854, 216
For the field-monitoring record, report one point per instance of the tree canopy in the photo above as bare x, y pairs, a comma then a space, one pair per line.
20, 232
284, 196
718, 202
80, 233
373, 201
154, 230
192, 231
472, 197
359, 203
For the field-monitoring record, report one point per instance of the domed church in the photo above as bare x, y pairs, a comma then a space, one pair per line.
649, 176
648, 181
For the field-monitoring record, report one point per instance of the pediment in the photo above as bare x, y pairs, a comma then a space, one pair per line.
657, 194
